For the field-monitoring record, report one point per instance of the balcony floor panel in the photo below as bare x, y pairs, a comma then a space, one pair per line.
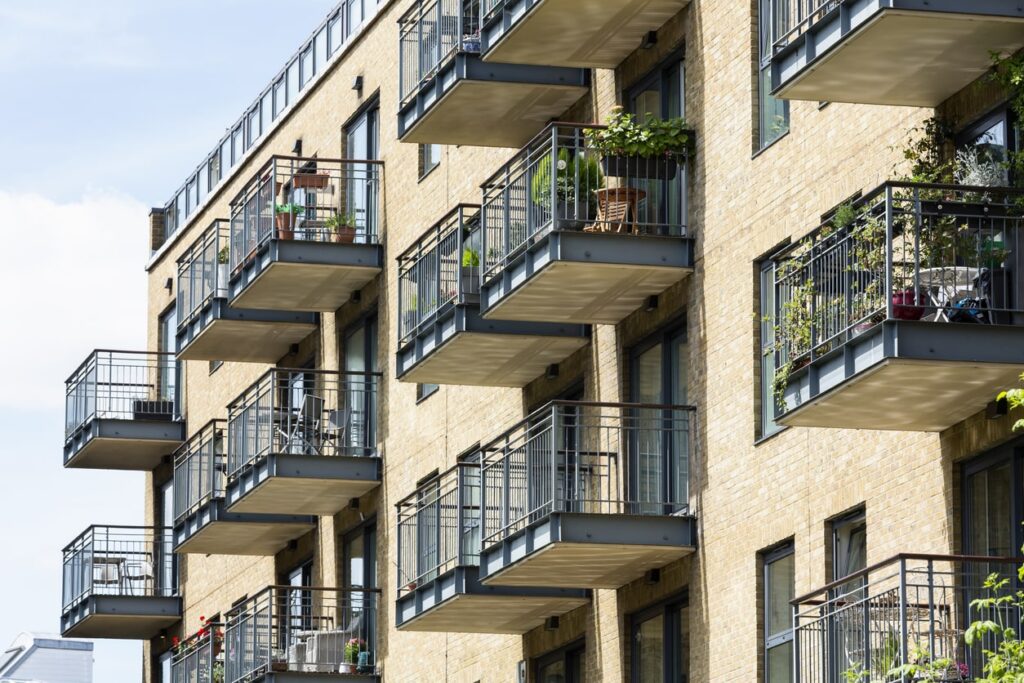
907, 395
243, 538
301, 496
304, 287
492, 360
584, 292
252, 341
492, 113
121, 617
311, 677
124, 452
578, 33
468, 613
913, 58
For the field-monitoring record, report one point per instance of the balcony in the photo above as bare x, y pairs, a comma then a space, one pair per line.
286, 635
910, 609
441, 337
570, 32
587, 495
449, 96
904, 52
121, 411
200, 657
304, 234
302, 442
587, 243
202, 523
905, 316
119, 582
439, 586
209, 328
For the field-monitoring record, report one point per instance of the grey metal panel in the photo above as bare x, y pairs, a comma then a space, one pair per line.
216, 511
219, 309
584, 247
852, 15
305, 251
142, 430
299, 677
466, 581
160, 608
499, 23
338, 467
470, 67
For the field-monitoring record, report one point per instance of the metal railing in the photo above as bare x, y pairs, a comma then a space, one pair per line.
303, 412
793, 18
203, 272
559, 181
599, 458
302, 629
122, 385
119, 561
909, 610
431, 33
439, 527
200, 657
441, 268
306, 199
200, 470
905, 251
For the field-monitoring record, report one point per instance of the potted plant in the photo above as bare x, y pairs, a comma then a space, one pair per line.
223, 257
639, 150
284, 219
353, 648
575, 174
470, 270
342, 227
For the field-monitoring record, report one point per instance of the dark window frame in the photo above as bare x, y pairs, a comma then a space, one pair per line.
576, 648
770, 641
675, 669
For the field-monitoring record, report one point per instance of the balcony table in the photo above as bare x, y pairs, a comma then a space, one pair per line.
947, 285
617, 206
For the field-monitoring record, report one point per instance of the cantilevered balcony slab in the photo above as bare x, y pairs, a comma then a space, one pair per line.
580, 277
468, 102
302, 484
212, 530
903, 52
120, 616
296, 275
587, 550
907, 376
570, 32
113, 444
457, 602
222, 332
460, 347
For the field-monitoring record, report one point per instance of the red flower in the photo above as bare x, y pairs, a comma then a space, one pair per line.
202, 618
175, 641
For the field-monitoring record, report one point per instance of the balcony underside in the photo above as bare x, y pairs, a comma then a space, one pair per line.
457, 602
297, 275
588, 550
488, 105
302, 484
221, 332
310, 677
123, 444
573, 32
463, 348
905, 55
119, 616
907, 376
211, 530
578, 277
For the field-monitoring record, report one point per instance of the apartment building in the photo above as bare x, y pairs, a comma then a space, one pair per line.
438, 388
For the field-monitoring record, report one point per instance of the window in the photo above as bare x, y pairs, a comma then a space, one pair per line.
769, 402
361, 143
779, 580
237, 145
306, 70
849, 549
300, 599
425, 391
293, 81
993, 500
353, 16
361, 356
168, 560
660, 644
566, 665
164, 664
167, 365
773, 114
430, 158
991, 138
360, 562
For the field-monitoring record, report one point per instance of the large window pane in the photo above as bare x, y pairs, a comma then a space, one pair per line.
651, 650
780, 663
779, 583
779, 576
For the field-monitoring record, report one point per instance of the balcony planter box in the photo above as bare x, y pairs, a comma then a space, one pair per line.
152, 410
345, 234
657, 168
471, 279
222, 280
310, 181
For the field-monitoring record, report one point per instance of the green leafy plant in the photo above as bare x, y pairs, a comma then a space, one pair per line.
352, 649
470, 257
573, 172
928, 152
223, 254
1013, 399
288, 208
338, 221
1004, 664
1008, 73
624, 136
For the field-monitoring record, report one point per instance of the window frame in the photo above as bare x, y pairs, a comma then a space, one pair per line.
564, 654
422, 168
770, 641
675, 669
766, 31
1013, 455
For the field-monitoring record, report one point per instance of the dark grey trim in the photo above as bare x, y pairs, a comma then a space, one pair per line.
172, 431
369, 256
298, 677
433, 595
458, 318
216, 511
589, 528
464, 66
337, 468
218, 309
162, 609
827, 34
904, 340
571, 246
501, 20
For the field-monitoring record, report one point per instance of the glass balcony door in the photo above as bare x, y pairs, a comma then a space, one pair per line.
361, 193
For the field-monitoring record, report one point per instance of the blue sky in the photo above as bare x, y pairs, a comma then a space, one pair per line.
107, 105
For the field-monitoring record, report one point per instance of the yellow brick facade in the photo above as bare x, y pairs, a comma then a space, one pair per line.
749, 495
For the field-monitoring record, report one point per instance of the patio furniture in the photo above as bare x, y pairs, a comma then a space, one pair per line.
617, 209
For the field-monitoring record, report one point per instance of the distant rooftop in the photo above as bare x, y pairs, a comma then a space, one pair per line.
46, 658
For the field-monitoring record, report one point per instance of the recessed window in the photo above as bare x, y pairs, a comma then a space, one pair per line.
778, 589
773, 114
430, 158
425, 391
660, 644
769, 401
565, 665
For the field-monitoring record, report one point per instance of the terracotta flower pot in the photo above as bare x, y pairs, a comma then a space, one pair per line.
314, 181
345, 234
285, 223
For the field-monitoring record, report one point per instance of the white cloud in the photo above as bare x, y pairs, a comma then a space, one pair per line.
71, 280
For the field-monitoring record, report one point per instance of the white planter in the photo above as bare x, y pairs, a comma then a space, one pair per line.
346, 668
222, 280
